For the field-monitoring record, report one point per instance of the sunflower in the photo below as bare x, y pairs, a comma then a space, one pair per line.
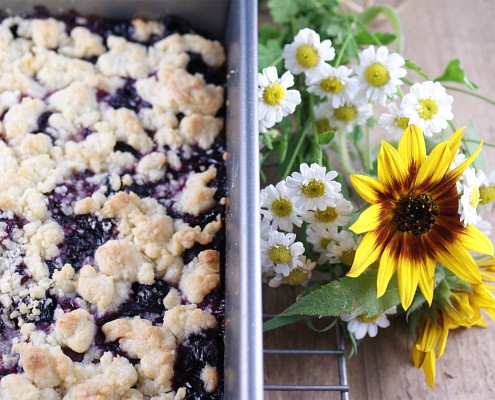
464, 310
413, 220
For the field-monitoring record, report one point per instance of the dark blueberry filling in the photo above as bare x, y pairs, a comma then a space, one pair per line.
43, 122
125, 148
12, 225
191, 357
76, 357
46, 306
149, 297
83, 234
216, 76
127, 97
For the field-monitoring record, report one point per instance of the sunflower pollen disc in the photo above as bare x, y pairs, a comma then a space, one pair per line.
416, 215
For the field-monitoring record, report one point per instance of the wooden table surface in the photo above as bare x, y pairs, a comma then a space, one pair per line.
435, 32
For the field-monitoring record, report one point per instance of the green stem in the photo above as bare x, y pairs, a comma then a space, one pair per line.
478, 96
295, 152
367, 153
344, 154
276, 60
477, 141
315, 130
342, 50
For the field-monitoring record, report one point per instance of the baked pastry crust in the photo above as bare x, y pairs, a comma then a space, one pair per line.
111, 210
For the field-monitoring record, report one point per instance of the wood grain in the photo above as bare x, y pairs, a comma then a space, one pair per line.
436, 32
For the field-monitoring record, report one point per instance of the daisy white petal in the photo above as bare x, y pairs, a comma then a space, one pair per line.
275, 101
394, 121
342, 249
312, 188
298, 276
306, 53
349, 114
281, 252
379, 73
333, 83
428, 106
331, 215
470, 197
360, 325
280, 208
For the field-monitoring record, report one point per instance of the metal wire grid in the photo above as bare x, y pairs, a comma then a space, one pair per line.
339, 352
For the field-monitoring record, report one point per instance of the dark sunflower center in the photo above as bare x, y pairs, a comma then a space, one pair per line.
416, 215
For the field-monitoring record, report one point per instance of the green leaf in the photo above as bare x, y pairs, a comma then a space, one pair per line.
282, 11
279, 321
418, 302
268, 53
346, 295
365, 37
370, 14
282, 147
416, 68
357, 134
268, 32
454, 73
325, 137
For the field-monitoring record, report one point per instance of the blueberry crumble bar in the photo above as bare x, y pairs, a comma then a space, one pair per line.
112, 194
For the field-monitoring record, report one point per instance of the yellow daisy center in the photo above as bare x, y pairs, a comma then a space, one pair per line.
282, 207
402, 122
273, 94
279, 255
416, 215
329, 214
474, 197
376, 74
368, 319
345, 113
296, 277
324, 242
332, 85
487, 194
323, 126
314, 188
428, 108
307, 56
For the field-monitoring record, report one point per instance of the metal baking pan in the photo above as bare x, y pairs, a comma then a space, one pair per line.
234, 23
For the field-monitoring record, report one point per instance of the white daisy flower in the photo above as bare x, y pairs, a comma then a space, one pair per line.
313, 187
320, 236
394, 122
281, 252
306, 53
321, 113
333, 83
487, 189
265, 228
363, 324
298, 276
470, 197
274, 100
349, 114
343, 250
280, 209
428, 106
379, 73
331, 215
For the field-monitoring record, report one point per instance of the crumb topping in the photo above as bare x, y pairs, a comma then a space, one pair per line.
111, 186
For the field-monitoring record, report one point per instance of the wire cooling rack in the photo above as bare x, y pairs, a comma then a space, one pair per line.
332, 355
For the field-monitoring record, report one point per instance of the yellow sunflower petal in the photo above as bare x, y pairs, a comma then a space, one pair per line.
476, 240
369, 220
412, 148
408, 277
429, 368
456, 173
368, 251
442, 341
367, 187
418, 357
435, 166
429, 337
487, 263
455, 142
457, 259
392, 171
427, 280
386, 269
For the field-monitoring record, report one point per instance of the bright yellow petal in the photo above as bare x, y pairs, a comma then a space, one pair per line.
455, 142
367, 187
487, 263
435, 166
418, 357
392, 171
412, 149
386, 269
427, 280
457, 259
408, 277
368, 251
429, 368
369, 220
456, 173
476, 240
429, 336
442, 341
